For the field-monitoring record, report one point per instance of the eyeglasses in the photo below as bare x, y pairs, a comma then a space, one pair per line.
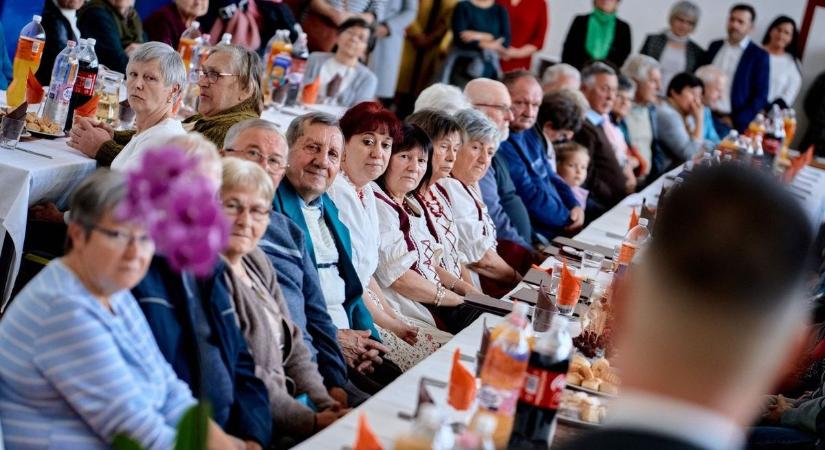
234, 208
503, 108
213, 76
273, 164
123, 239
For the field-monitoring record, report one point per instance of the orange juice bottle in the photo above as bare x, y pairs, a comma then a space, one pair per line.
188, 42
503, 372
633, 240
26, 59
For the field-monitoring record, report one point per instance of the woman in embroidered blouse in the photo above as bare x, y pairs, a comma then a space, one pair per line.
436, 205
475, 228
282, 360
79, 363
408, 259
370, 131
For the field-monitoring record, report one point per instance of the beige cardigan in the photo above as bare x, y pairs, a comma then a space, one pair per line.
288, 372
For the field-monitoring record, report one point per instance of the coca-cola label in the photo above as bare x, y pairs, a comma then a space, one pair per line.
85, 83
543, 388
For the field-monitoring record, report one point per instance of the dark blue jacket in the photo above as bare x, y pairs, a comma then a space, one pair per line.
284, 244
547, 197
165, 298
58, 32
750, 84
288, 202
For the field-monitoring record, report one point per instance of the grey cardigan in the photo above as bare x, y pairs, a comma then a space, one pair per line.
361, 88
675, 142
288, 372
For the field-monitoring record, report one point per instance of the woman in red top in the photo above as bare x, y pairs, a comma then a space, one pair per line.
528, 25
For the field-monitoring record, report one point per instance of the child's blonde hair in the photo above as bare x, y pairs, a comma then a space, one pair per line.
567, 149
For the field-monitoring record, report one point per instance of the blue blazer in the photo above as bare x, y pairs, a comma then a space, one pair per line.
750, 84
288, 202
165, 298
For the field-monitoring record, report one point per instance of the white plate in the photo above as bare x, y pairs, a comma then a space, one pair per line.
590, 391
567, 420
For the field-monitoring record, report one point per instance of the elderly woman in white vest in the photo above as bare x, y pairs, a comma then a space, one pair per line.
154, 77
341, 77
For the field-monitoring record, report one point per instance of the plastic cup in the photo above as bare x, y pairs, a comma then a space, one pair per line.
10, 131
569, 292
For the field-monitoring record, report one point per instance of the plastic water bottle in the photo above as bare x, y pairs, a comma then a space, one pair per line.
26, 59
479, 437
635, 238
295, 78
430, 432
546, 378
226, 39
64, 75
503, 372
188, 42
84, 84
278, 47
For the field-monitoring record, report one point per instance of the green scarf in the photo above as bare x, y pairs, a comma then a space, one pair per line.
601, 29
215, 127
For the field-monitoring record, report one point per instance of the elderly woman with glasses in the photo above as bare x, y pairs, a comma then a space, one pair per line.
674, 48
409, 258
474, 226
78, 356
436, 207
282, 359
154, 78
340, 76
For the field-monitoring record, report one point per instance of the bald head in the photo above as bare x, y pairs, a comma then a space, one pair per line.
492, 98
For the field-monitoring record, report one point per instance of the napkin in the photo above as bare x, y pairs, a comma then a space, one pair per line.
482, 348
310, 93
88, 109
34, 90
570, 287
462, 390
647, 213
796, 165
634, 219
809, 155
19, 113
365, 438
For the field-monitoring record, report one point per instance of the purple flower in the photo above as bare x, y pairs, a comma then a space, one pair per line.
180, 207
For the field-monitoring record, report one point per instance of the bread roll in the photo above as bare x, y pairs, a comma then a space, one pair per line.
601, 367
574, 378
586, 373
608, 388
579, 360
592, 384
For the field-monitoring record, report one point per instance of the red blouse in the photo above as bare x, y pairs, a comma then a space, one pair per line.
528, 25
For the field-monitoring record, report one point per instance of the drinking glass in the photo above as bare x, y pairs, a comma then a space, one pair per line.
591, 264
10, 131
567, 295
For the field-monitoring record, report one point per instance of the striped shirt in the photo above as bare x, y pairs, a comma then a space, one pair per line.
73, 374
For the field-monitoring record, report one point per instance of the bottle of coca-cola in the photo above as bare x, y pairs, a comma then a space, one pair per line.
540, 395
84, 84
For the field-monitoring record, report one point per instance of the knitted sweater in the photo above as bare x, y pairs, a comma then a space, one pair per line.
215, 127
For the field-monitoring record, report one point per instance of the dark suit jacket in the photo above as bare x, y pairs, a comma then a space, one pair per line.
575, 54
58, 32
605, 178
655, 44
750, 84
627, 440
166, 299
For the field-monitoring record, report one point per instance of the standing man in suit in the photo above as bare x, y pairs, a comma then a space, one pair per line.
746, 64
702, 334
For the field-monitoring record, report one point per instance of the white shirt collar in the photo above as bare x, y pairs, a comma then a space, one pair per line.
674, 418
743, 44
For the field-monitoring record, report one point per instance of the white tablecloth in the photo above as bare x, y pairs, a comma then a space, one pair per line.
26, 179
402, 395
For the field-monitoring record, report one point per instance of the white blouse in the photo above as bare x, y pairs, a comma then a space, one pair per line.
474, 226
405, 245
359, 214
673, 60
785, 79
132, 153
438, 217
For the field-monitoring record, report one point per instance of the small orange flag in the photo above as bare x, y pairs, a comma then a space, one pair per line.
88, 109
570, 287
634, 219
34, 90
462, 390
365, 438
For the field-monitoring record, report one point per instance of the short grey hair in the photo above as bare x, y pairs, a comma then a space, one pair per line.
195, 144
442, 97
638, 67
242, 174
258, 124
99, 194
299, 124
477, 126
709, 74
556, 71
597, 68
687, 10
171, 64
247, 64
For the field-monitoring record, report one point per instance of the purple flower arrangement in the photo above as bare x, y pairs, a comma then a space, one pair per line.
180, 207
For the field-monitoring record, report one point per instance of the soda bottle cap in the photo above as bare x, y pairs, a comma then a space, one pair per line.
226, 36
643, 222
485, 425
36, 18
195, 24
